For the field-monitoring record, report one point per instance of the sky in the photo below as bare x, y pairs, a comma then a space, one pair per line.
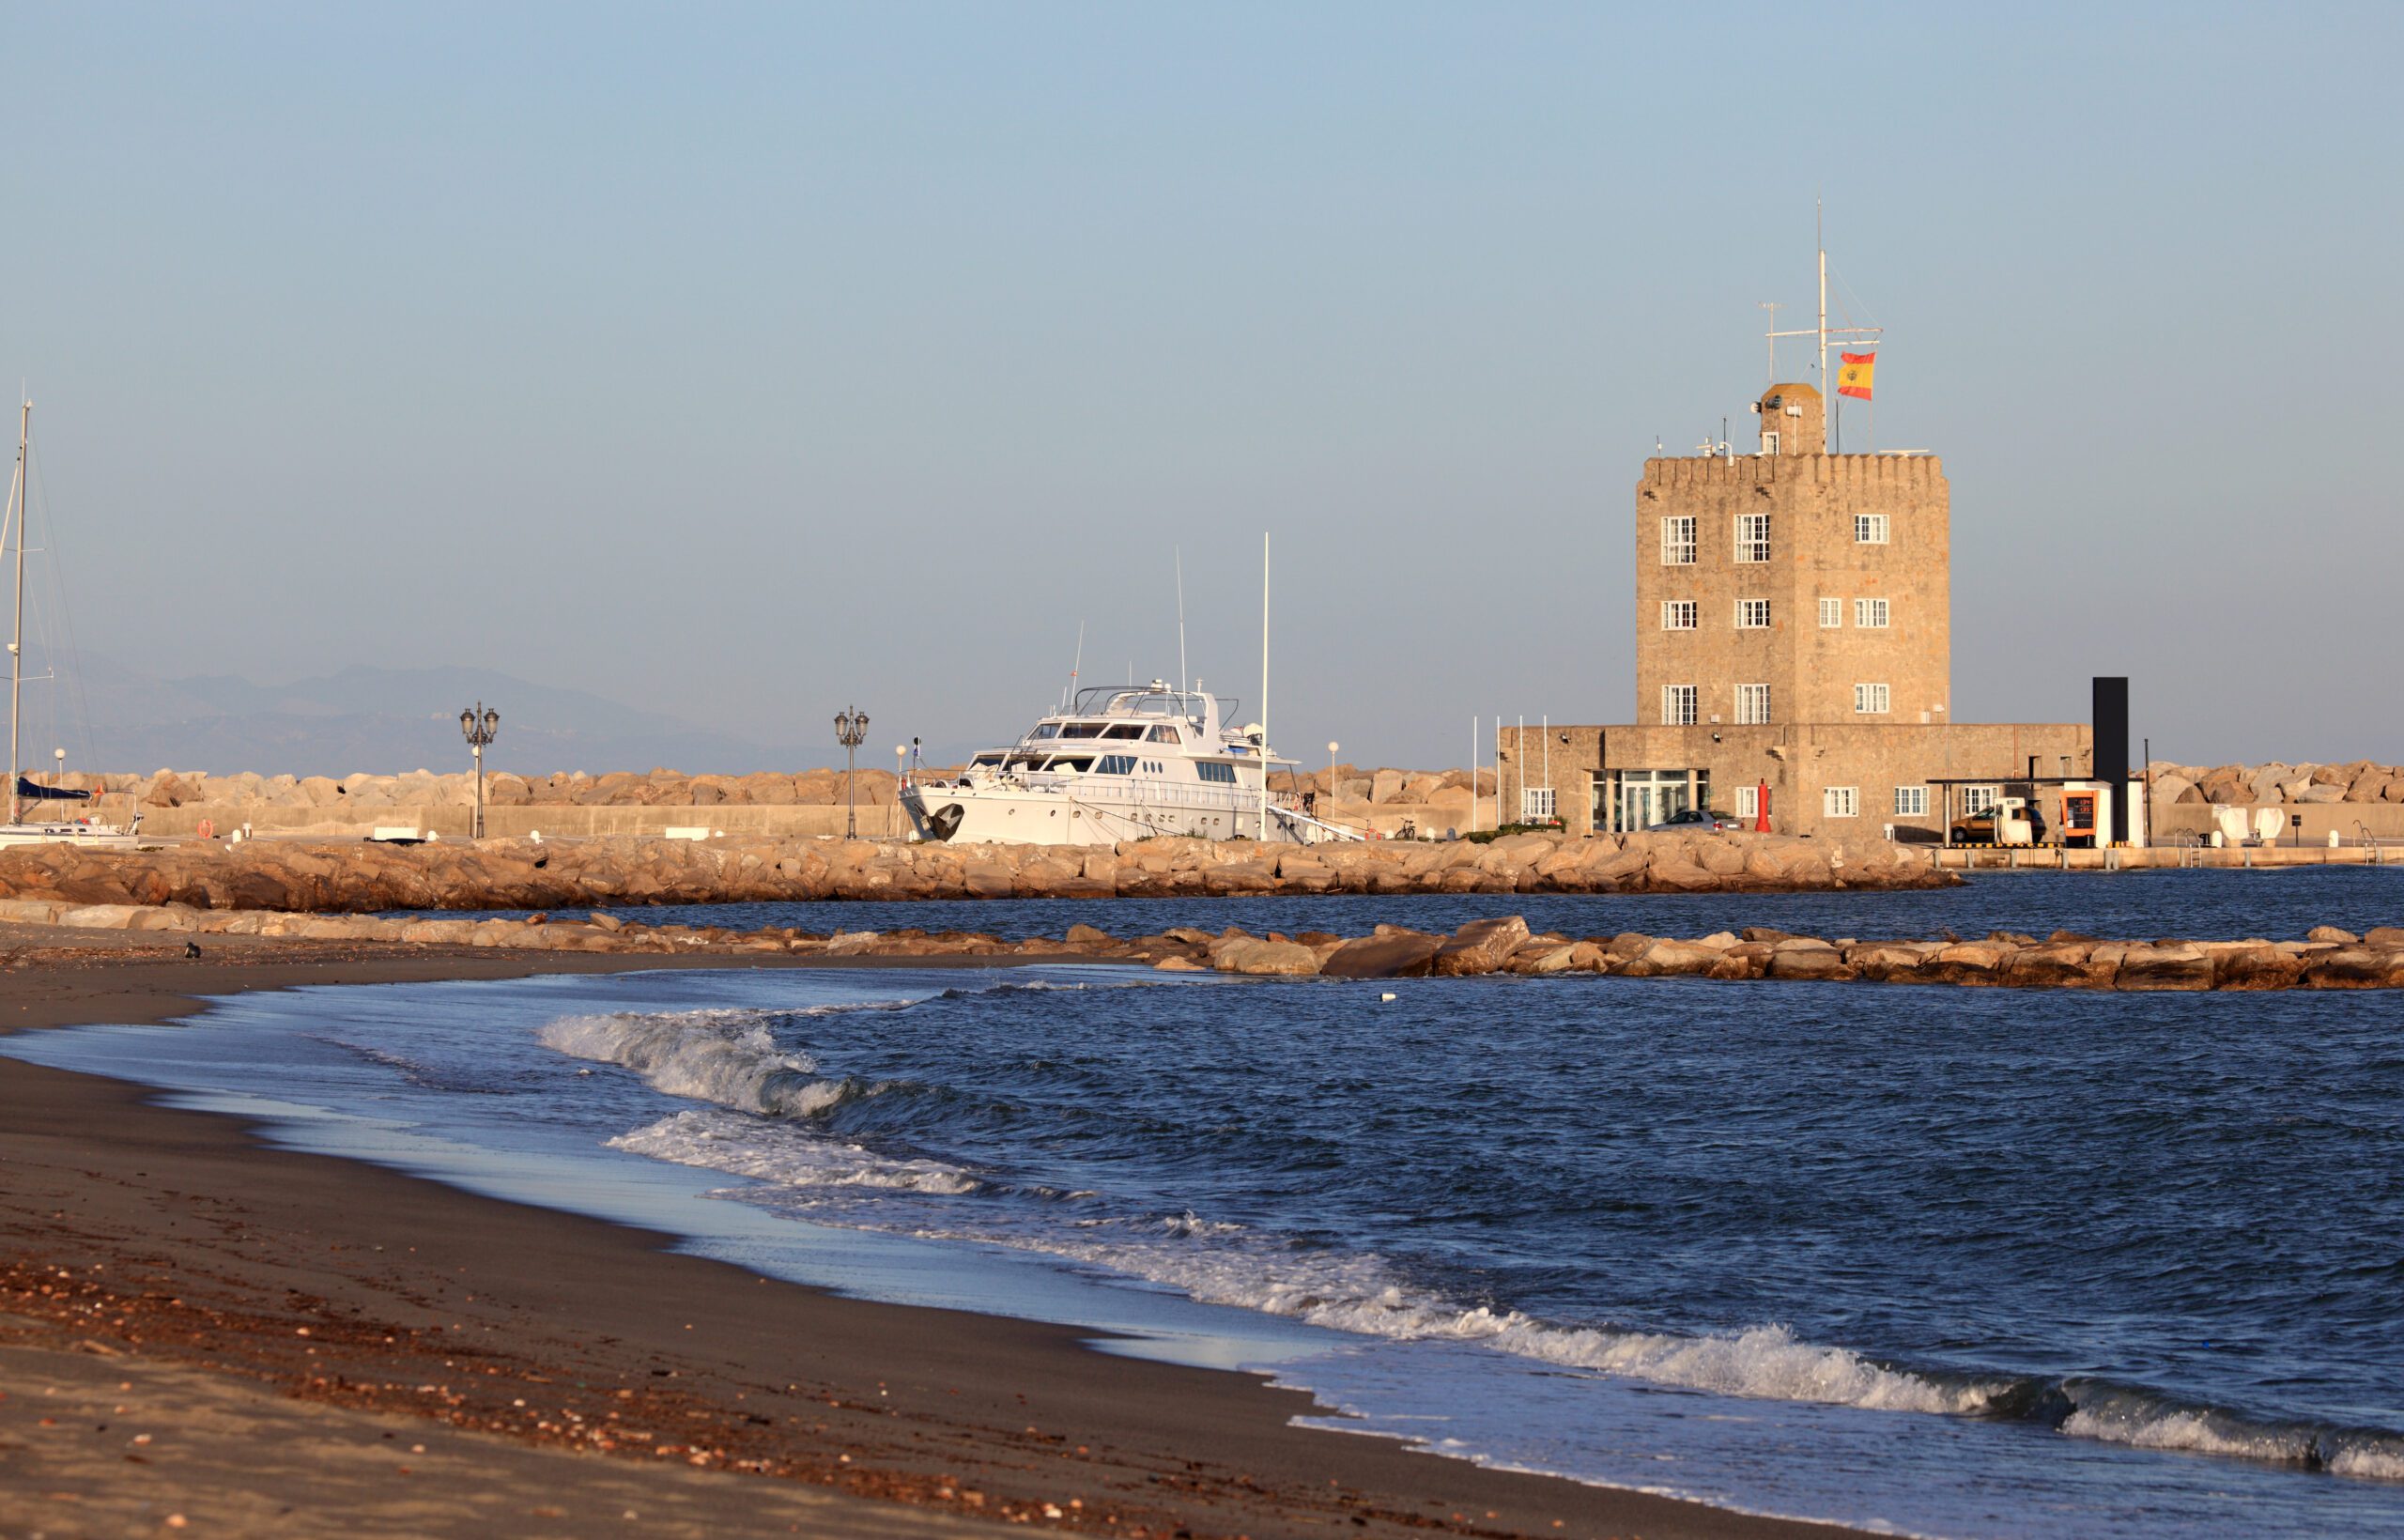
745, 363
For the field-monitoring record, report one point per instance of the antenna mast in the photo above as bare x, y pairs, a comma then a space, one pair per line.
1181, 619
1822, 332
1264, 686
1069, 698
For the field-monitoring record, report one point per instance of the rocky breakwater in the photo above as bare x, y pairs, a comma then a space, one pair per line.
2327, 958
355, 876
2275, 783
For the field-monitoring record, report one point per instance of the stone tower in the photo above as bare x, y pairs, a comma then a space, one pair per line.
1793, 585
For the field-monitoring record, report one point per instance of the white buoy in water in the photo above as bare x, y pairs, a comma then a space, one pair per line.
1387, 995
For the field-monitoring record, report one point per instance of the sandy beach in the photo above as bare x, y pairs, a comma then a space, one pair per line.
201, 1335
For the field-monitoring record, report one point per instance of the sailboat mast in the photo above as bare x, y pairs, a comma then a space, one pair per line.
17, 641
1264, 685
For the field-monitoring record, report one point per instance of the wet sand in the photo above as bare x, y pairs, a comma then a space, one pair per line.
312, 1345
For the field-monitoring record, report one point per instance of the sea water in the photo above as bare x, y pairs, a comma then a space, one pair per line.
1944, 1261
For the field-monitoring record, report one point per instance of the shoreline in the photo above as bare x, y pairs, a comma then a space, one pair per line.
340, 1285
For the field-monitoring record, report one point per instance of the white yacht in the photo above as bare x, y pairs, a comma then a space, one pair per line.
23, 792
1121, 763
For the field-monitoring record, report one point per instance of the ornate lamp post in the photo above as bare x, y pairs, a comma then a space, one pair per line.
480, 728
851, 730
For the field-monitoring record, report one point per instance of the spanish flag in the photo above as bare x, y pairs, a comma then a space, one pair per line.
1853, 374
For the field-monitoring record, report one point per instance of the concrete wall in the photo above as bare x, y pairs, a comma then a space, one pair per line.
554, 820
2350, 820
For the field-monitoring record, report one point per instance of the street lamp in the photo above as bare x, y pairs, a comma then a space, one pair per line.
851, 730
479, 727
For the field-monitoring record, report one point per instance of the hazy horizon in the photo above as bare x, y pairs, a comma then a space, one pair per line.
744, 363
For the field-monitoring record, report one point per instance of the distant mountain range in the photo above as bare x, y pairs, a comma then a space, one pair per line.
379, 720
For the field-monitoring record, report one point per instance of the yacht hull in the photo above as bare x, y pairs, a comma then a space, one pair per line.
1003, 814
82, 836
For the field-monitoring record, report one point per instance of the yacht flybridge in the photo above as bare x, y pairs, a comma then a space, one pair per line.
1121, 763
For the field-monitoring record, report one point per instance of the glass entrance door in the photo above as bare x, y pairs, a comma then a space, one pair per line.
1647, 797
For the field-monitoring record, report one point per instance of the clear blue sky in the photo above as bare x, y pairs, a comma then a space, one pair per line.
742, 363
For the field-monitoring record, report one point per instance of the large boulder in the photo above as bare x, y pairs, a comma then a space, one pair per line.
1253, 955
1665, 957
1482, 945
2171, 966
1395, 954
2355, 967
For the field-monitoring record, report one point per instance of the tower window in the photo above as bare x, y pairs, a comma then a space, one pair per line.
1911, 802
1831, 612
1870, 612
1870, 699
1677, 705
1769, 441
1752, 537
1840, 801
1753, 614
1869, 529
1752, 704
1677, 614
1677, 541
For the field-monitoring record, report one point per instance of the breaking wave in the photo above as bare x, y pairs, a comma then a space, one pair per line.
719, 1141
729, 1059
722, 1057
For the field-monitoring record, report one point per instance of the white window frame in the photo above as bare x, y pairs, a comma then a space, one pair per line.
1869, 528
1680, 705
1752, 705
1769, 441
1679, 536
1840, 801
1831, 614
1978, 799
1871, 699
1752, 538
1869, 614
1753, 614
1911, 802
1535, 804
1679, 614
1749, 802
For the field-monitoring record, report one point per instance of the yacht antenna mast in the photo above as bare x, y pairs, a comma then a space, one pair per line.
1069, 698
1264, 686
17, 641
1181, 619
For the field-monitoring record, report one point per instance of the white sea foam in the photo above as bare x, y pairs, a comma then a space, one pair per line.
1360, 1294
785, 1156
724, 1056
2143, 1423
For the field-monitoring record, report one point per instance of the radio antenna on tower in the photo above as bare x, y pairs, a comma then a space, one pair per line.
1822, 332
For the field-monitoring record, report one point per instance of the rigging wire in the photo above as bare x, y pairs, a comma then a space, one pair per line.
60, 649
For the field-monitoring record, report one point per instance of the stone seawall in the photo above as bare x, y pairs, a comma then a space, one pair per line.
2327, 958
349, 876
